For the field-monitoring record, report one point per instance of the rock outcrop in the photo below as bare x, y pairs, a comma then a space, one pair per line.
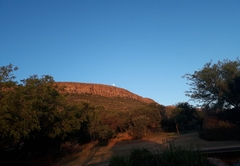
102, 90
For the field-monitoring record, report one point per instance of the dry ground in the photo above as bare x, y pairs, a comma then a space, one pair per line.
90, 156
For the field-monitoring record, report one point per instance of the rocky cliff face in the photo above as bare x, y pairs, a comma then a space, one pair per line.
102, 90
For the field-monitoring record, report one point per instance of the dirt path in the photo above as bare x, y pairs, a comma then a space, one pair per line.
99, 156
192, 139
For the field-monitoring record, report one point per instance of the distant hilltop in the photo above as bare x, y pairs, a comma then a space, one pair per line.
102, 90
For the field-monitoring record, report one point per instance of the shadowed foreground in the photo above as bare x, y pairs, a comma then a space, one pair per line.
100, 155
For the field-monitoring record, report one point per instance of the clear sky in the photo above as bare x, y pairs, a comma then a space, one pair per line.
139, 45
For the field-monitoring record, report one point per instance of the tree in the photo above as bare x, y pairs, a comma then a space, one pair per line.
6, 75
34, 111
184, 114
56, 116
152, 113
139, 127
99, 130
144, 119
214, 84
17, 119
234, 90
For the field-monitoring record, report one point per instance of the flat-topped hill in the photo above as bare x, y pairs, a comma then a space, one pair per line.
109, 97
101, 90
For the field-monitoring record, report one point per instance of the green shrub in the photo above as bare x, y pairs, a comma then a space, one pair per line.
182, 156
139, 128
167, 156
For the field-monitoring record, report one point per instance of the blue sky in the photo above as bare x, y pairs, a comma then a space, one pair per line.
142, 46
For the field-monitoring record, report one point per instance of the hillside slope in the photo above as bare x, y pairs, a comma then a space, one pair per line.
101, 90
110, 97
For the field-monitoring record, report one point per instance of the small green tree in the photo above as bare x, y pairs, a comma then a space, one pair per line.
143, 120
152, 113
99, 130
185, 115
139, 128
7, 77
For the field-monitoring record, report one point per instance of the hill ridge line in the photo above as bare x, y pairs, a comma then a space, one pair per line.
102, 90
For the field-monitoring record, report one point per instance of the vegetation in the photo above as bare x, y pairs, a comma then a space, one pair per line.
34, 115
216, 85
167, 156
98, 128
219, 130
183, 117
143, 120
114, 104
37, 116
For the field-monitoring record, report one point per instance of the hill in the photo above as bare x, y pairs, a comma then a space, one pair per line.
110, 97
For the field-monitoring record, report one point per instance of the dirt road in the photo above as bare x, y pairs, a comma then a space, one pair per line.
100, 155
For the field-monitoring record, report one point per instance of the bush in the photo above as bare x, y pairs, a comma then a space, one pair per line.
170, 156
219, 130
168, 125
139, 157
139, 128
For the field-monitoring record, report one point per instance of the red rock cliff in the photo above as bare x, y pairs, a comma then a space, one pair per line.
102, 90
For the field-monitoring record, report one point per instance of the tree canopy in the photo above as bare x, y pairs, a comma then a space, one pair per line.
34, 109
184, 114
216, 85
